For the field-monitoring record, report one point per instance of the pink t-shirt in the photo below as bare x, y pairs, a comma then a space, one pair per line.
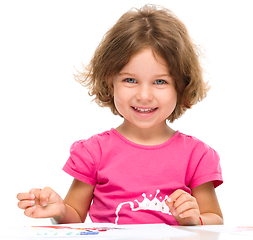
132, 181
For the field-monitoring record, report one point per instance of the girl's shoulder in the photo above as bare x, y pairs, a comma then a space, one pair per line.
192, 140
193, 145
94, 140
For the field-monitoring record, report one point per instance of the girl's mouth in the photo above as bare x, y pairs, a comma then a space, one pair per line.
144, 110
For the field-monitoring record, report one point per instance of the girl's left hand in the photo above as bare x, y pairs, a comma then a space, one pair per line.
184, 207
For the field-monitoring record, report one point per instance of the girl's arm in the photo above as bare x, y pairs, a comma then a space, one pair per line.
46, 203
77, 203
203, 203
209, 207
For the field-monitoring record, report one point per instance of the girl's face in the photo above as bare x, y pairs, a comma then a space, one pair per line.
144, 92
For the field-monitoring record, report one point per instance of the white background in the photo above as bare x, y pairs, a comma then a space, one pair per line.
43, 110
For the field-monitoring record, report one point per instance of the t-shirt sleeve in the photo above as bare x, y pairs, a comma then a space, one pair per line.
206, 167
82, 163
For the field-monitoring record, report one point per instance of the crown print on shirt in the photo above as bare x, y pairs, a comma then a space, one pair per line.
155, 205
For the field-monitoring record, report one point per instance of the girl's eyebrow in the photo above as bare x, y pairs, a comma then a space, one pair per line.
158, 75
125, 73
163, 75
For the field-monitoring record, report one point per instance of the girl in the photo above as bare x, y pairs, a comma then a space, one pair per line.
146, 70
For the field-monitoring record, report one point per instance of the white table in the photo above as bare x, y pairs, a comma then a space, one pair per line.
222, 233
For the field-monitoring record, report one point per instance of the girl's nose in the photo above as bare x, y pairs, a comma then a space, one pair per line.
144, 93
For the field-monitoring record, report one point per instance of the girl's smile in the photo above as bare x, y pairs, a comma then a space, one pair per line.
144, 112
144, 92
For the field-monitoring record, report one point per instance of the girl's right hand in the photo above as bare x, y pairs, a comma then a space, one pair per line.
41, 203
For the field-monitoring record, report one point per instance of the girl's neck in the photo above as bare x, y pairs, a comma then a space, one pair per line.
151, 136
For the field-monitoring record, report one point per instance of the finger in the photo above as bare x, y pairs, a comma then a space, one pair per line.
26, 203
186, 206
36, 192
175, 195
170, 205
184, 198
190, 213
45, 195
173, 198
29, 211
25, 196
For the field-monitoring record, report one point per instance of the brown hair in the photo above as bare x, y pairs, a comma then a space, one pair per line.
150, 26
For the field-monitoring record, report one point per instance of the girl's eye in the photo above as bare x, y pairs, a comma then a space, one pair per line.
160, 82
130, 80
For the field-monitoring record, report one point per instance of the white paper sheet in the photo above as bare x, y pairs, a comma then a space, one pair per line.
92, 231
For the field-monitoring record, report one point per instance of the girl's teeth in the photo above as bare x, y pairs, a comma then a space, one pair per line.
144, 110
